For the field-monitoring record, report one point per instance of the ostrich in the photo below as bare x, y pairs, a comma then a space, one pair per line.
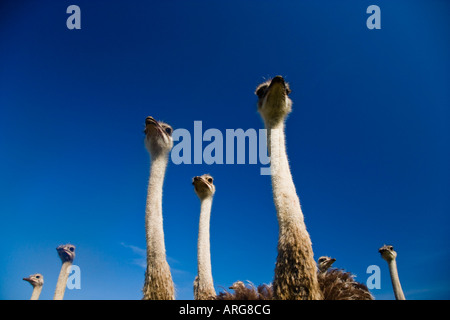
295, 270
158, 283
388, 253
66, 253
324, 263
337, 284
203, 284
250, 292
37, 281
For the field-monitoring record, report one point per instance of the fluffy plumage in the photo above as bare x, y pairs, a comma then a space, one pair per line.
337, 284
249, 292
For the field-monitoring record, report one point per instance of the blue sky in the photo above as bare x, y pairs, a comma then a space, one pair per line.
368, 138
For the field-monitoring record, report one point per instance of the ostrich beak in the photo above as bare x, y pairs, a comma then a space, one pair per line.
277, 79
278, 83
277, 88
150, 120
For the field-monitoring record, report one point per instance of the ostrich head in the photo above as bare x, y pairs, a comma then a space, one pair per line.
158, 137
66, 252
204, 186
325, 263
274, 103
387, 252
237, 285
36, 280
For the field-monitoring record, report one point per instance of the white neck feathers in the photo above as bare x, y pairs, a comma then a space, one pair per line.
205, 283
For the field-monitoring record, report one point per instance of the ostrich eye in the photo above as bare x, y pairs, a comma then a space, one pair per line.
37, 277
391, 248
210, 180
168, 130
71, 249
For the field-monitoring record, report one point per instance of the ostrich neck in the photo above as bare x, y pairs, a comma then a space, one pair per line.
398, 292
153, 212
295, 255
62, 280
36, 293
158, 280
203, 249
287, 203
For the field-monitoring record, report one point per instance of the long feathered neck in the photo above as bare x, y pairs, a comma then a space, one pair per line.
295, 270
204, 286
398, 292
36, 292
62, 280
158, 279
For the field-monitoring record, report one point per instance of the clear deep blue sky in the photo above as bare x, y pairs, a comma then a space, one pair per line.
368, 138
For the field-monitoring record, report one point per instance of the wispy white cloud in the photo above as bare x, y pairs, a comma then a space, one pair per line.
135, 249
140, 260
